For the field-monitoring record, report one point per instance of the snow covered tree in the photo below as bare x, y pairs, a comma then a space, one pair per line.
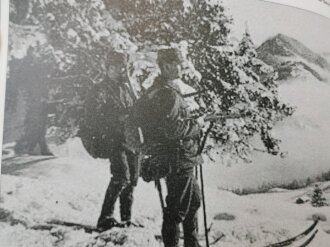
75, 37
232, 81
317, 198
264, 91
61, 47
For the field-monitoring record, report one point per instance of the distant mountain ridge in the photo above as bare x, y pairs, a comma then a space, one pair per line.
290, 57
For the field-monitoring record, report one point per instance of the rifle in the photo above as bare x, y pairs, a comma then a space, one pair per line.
194, 93
214, 117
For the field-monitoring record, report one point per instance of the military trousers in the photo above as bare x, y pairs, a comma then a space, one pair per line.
183, 201
125, 173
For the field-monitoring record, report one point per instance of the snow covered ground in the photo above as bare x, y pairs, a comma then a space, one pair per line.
72, 188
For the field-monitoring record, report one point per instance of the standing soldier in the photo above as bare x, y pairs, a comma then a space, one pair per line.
124, 164
178, 139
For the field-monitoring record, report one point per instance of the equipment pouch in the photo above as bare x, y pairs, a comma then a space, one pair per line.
155, 167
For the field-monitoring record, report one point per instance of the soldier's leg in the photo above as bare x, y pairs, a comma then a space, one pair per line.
190, 231
119, 181
178, 203
108, 207
126, 197
190, 223
126, 202
170, 230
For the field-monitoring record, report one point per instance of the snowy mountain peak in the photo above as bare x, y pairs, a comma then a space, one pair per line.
291, 58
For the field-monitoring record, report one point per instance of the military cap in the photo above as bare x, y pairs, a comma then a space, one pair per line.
169, 55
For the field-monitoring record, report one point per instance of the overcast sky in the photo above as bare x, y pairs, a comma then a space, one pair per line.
266, 19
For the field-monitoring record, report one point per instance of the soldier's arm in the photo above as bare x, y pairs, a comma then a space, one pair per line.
175, 127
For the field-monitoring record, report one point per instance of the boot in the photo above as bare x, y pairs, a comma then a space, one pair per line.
107, 223
108, 207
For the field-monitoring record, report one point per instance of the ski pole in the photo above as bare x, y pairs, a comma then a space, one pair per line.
196, 177
204, 207
202, 184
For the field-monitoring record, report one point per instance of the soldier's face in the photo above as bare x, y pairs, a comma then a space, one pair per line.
117, 71
171, 70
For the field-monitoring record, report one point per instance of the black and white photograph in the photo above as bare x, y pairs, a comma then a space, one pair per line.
166, 123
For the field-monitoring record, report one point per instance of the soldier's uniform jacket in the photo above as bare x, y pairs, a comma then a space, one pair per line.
168, 124
120, 100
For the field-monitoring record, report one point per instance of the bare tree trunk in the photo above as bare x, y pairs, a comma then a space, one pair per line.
30, 76
35, 127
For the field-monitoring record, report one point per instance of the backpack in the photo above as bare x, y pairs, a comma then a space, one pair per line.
100, 128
